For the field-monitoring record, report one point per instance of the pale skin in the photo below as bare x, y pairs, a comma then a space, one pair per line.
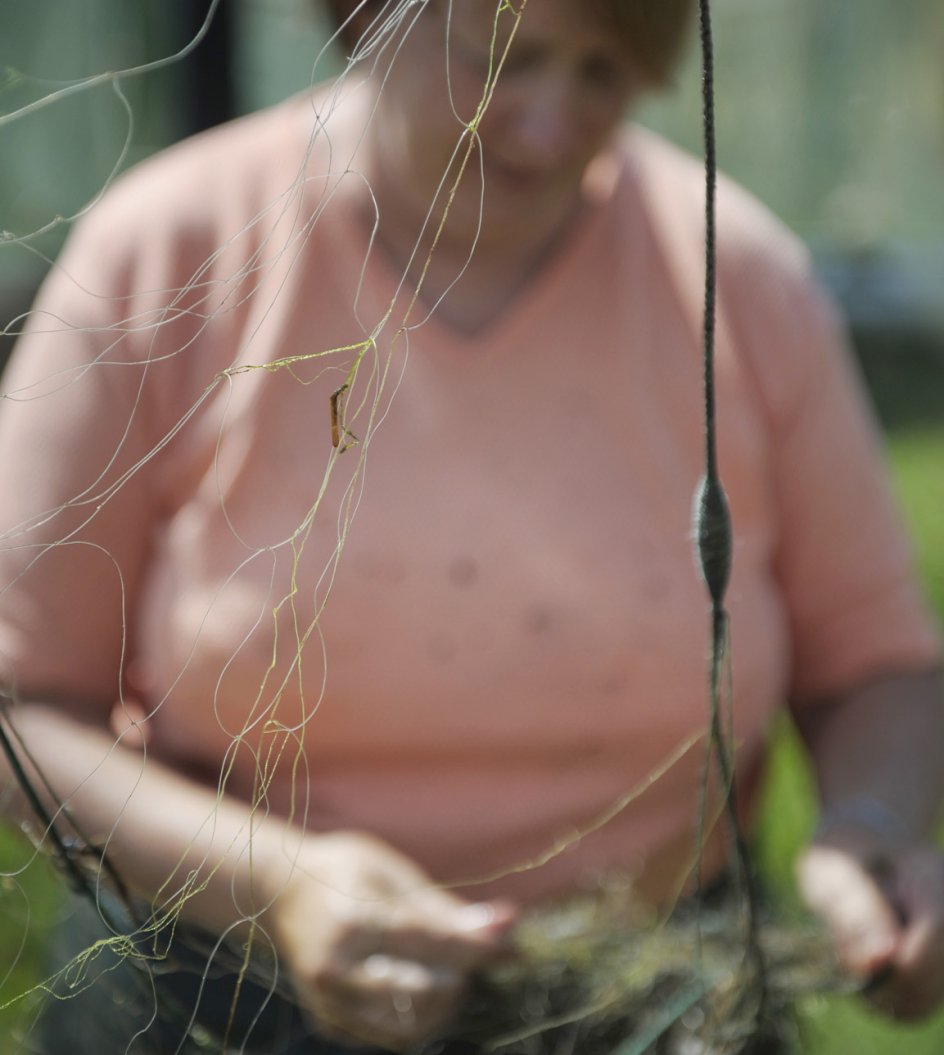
565, 85
374, 949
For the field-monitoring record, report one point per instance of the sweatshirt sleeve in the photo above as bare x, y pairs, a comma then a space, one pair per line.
843, 559
87, 405
107, 410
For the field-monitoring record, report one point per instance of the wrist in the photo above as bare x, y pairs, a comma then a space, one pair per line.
267, 864
864, 813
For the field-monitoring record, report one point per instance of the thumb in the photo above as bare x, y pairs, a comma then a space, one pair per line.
481, 930
839, 888
489, 921
461, 935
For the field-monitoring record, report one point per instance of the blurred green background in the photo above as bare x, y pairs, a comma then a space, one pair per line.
831, 111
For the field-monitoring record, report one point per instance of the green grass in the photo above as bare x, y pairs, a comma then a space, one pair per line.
30, 893
917, 457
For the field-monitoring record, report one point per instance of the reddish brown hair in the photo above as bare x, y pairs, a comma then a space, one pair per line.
655, 31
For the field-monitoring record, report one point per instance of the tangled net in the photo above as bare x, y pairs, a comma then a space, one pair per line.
597, 977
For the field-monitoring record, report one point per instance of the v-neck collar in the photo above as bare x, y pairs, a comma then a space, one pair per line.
384, 285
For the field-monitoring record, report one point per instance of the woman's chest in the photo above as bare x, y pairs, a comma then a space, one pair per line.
503, 554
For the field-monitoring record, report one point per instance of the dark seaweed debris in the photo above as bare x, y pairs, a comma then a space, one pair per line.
598, 978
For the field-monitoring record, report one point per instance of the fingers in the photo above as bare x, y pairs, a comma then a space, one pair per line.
375, 950
390, 1002
411, 985
396, 975
863, 923
914, 986
463, 936
886, 913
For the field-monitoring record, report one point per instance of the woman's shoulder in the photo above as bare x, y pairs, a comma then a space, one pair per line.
774, 316
251, 172
203, 180
672, 182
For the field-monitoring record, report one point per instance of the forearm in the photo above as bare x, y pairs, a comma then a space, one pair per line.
173, 841
359, 928
882, 743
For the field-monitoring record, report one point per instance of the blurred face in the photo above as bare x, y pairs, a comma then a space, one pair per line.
566, 83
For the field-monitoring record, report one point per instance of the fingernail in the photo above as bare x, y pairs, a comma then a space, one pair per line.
378, 966
476, 916
874, 952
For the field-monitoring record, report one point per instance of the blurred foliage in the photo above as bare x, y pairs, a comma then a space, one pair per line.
831, 112
30, 893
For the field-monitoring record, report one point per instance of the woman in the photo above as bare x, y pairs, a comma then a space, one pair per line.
354, 452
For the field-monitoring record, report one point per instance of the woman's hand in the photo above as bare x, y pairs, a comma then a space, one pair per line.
376, 952
871, 872
883, 901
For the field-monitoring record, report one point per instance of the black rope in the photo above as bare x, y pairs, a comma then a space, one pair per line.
714, 534
63, 848
68, 851
711, 182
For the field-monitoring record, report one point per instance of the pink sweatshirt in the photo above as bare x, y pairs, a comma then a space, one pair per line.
477, 632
